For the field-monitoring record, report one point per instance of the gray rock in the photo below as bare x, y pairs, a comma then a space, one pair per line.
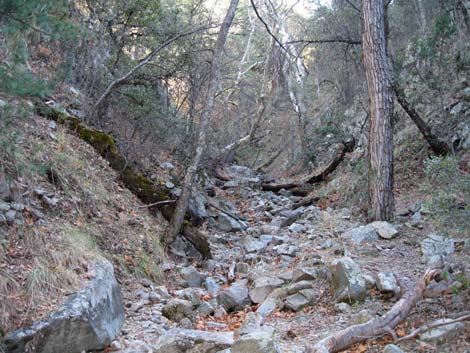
52, 125
5, 190
269, 229
384, 229
231, 184
192, 277
296, 302
262, 287
197, 206
10, 216
296, 228
436, 248
212, 286
39, 192
17, 206
253, 322
220, 312
154, 297
310, 294
238, 171
361, 234
89, 320
194, 295
443, 333
229, 224
387, 283
138, 347
304, 274
260, 341
266, 238
167, 166
3, 219
185, 323
288, 217
242, 267
252, 245
4, 206
177, 309
193, 341
347, 280
169, 185
391, 348
286, 249
205, 309
343, 308
235, 297
267, 307
50, 201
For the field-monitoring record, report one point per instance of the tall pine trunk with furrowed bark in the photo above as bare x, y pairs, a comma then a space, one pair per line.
379, 85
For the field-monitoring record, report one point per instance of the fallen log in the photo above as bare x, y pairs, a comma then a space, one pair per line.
411, 294
316, 177
157, 197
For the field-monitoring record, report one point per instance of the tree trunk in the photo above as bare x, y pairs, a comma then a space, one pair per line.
379, 85
182, 205
438, 146
295, 75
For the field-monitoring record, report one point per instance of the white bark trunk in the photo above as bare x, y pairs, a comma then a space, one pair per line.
182, 205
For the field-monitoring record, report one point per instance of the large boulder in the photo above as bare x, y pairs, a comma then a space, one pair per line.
361, 234
262, 287
229, 224
235, 297
192, 277
385, 230
88, 320
241, 174
178, 309
193, 341
436, 248
348, 282
197, 207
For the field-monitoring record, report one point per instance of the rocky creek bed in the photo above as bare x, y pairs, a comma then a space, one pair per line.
281, 279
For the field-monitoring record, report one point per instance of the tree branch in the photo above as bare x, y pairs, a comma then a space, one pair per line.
142, 63
327, 40
267, 28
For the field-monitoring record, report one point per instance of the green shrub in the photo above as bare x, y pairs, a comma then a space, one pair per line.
448, 191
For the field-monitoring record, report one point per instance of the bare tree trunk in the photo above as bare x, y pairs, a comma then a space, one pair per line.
264, 102
381, 201
182, 205
438, 146
295, 75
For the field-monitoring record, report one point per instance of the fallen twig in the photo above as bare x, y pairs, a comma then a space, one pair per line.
157, 203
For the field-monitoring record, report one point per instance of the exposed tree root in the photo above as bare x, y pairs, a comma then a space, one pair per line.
411, 294
156, 196
303, 187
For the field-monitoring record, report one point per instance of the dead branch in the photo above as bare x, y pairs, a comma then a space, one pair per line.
425, 328
315, 177
411, 294
141, 64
